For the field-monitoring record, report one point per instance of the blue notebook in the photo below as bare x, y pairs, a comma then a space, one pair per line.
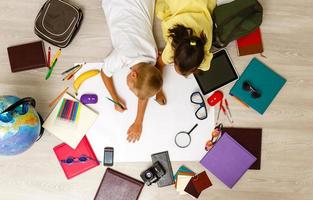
264, 80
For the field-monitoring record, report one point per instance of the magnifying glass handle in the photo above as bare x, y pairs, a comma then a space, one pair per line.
192, 129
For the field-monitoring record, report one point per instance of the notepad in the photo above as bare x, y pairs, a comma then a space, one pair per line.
264, 80
63, 151
65, 131
250, 44
27, 56
197, 184
228, 160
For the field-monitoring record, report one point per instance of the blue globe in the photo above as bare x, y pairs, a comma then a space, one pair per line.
20, 132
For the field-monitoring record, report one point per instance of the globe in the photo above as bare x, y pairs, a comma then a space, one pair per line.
21, 130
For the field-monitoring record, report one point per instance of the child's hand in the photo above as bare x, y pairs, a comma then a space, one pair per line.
118, 107
134, 132
160, 98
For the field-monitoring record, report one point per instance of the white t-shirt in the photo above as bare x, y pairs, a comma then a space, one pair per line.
130, 24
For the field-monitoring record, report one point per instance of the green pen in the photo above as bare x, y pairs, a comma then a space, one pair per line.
117, 103
51, 69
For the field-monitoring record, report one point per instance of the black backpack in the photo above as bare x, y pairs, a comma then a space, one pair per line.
58, 22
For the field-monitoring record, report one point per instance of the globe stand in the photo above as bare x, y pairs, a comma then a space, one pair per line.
42, 130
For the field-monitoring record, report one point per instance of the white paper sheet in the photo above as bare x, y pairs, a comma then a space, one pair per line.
161, 123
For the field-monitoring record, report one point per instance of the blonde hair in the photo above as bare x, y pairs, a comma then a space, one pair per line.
149, 80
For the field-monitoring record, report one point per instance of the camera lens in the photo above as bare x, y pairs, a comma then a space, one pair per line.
148, 175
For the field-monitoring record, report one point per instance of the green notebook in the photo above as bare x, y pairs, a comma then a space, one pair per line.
264, 80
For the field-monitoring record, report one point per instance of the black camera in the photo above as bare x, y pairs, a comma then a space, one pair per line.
153, 174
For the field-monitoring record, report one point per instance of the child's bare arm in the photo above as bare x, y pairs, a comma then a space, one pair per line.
134, 131
160, 97
108, 82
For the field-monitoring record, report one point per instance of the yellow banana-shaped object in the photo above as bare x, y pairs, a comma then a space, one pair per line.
83, 77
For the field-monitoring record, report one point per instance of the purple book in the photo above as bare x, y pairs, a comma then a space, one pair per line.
228, 160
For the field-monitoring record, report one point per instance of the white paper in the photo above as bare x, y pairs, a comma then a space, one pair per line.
161, 123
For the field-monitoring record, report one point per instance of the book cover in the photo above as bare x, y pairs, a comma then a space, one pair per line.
84, 149
27, 56
118, 186
228, 160
197, 184
264, 80
250, 44
250, 139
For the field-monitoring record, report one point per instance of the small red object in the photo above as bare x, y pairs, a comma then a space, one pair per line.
216, 97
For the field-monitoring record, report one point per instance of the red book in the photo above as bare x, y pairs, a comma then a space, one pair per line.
250, 44
83, 150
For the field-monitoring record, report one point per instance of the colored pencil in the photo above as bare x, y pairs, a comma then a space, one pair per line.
70, 69
58, 97
117, 103
71, 74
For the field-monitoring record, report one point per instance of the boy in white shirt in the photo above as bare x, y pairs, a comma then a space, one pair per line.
130, 24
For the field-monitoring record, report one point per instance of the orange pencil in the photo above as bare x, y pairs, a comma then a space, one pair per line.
58, 97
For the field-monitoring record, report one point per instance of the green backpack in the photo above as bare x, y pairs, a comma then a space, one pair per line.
234, 20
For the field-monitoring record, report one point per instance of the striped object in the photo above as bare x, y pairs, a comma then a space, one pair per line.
69, 110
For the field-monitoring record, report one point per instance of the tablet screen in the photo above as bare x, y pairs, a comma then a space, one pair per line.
220, 73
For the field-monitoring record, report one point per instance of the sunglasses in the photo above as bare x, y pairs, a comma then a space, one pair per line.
80, 159
248, 87
197, 99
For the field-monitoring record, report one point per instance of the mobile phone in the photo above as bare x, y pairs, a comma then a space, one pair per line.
108, 156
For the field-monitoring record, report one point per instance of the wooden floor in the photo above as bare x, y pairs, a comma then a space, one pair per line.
287, 151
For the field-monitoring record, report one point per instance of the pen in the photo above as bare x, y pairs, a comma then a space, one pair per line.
117, 103
51, 69
71, 74
56, 56
227, 107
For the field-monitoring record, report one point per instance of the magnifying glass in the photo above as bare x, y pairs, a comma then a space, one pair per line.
183, 139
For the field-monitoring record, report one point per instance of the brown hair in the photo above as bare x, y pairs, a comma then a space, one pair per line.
149, 80
188, 48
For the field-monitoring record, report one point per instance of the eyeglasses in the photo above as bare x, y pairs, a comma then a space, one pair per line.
216, 134
8, 116
197, 99
80, 159
248, 87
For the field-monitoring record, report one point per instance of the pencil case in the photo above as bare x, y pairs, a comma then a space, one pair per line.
57, 22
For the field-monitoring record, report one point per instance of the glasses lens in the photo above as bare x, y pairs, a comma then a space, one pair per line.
201, 113
246, 86
83, 159
182, 140
196, 98
6, 117
256, 94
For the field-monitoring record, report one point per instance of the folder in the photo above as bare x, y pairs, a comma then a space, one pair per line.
228, 160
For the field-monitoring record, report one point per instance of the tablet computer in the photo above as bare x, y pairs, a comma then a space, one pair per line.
221, 73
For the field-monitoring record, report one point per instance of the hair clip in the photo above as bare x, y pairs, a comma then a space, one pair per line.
193, 43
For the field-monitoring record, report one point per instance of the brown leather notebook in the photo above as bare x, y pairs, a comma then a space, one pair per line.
118, 186
197, 184
27, 56
250, 139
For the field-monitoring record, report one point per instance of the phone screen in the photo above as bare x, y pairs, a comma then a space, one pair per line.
108, 157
